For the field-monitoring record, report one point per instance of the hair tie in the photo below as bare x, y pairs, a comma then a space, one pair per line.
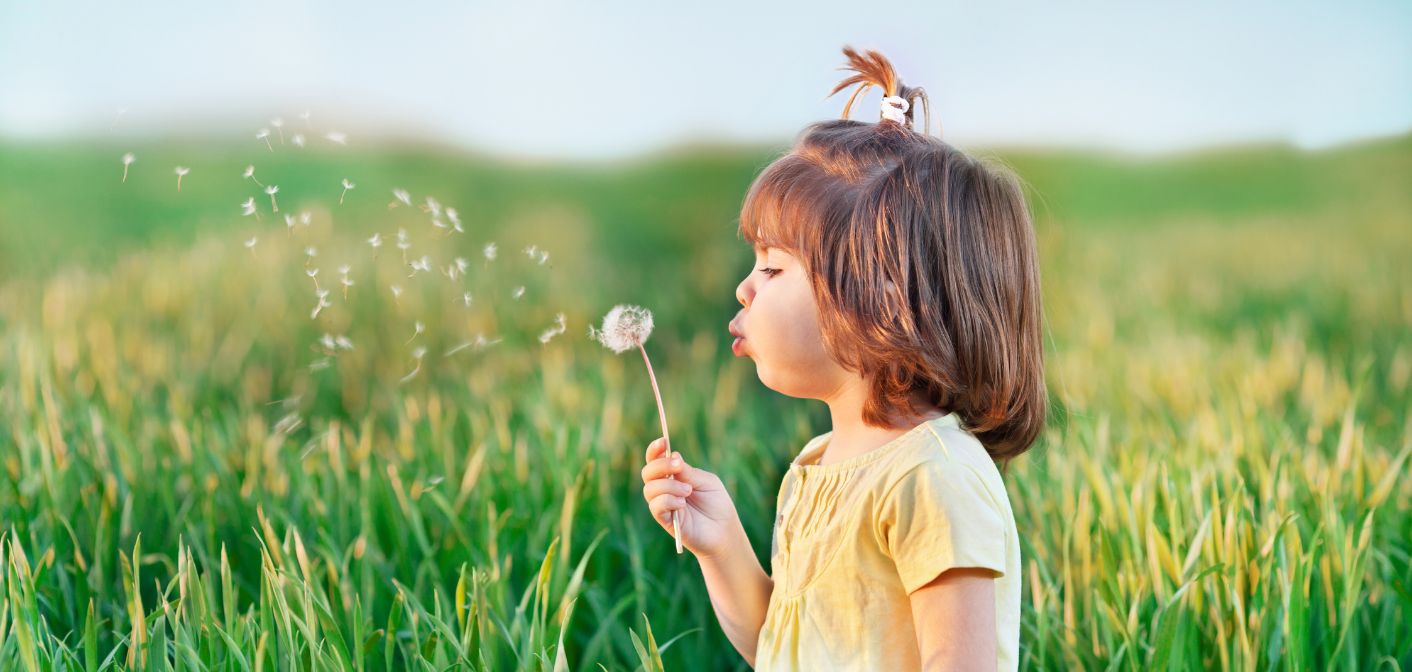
895, 108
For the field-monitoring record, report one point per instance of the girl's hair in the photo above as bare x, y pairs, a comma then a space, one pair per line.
923, 263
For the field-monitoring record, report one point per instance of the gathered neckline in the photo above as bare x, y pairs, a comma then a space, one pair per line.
817, 446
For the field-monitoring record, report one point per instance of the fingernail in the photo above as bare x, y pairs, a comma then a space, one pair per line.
676, 460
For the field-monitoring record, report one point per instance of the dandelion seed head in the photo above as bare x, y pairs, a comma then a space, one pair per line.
376, 240
347, 184
343, 343
624, 327
490, 251
418, 327
289, 221
338, 137
311, 272
277, 122
128, 158
181, 170
249, 172
310, 251
249, 206
262, 134
272, 189
305, 218
396, 291
402, 195
297, 139
419, 352
518, 292
461, 264
344, 269
466, 298
252, 241
328, 341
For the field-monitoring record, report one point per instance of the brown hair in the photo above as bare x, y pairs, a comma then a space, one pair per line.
923, 263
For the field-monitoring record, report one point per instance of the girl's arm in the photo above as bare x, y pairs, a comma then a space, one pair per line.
954, 617
740, 592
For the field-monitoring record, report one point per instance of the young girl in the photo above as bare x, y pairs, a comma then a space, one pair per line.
897, 282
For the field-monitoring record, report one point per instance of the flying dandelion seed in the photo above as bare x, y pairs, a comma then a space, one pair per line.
278, 123
342, 342
466, 298
490, 251
423, 264
250, 244
289, 225
543, 257
320, 364
181, 172
264, 134
396, 293
399, 195
346, 186
250, 175
626, 327
306, 217
461, 265
433, 206
518, 292
309, 254
313, 274
417, 354
128, 158
345, 280
402, 243
438, 223
272, 190
336, 136
558, 328
298, 140
531, 251
327, 341
376, 242
417, 328
323, 303
249, 208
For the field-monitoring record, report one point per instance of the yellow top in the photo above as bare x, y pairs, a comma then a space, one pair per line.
854, 538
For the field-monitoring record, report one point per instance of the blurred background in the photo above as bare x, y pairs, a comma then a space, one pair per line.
294, 300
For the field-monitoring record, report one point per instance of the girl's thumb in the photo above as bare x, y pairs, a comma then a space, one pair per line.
688, 474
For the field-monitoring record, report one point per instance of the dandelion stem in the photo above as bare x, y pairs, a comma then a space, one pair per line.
662, 414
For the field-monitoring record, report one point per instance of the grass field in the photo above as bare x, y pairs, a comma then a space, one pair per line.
192, 480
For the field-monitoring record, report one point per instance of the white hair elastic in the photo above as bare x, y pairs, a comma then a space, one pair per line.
895, 108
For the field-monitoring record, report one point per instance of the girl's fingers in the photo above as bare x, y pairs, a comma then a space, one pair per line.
663, 505
661, 467
656, 447
666, 486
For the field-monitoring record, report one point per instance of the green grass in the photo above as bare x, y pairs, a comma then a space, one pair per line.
1222, 485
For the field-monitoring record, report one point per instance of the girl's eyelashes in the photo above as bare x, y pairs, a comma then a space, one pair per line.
769, 272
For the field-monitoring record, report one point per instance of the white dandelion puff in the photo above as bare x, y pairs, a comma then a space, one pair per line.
272, 190
433, 206
278, 123
289, 224
490, 251
328, 341
322, 304
417, 354
338, 137
543, 257
531, 251
250, 244
423, 264
128, 158
376, 240
461, 265
313, 274
417, 328
306, 217
342, 342
298, 140
399, 195
518, 292
264, 134
466, 298
396, 292
181, 172
346, 186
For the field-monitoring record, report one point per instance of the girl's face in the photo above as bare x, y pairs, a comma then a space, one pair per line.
779, 326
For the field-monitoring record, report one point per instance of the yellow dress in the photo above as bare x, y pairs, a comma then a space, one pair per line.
854, 538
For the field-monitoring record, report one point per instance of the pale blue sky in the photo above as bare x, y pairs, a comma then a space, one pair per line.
611, 78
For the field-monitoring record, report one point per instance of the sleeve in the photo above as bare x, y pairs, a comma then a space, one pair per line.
939, 515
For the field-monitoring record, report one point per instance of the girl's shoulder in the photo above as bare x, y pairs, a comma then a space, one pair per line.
946, 452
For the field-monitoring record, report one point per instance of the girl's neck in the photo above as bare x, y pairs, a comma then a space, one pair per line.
852, 437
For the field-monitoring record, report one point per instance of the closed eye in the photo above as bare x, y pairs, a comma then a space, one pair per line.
769, 272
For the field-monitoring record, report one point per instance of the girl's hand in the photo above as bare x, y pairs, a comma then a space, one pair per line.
708, 518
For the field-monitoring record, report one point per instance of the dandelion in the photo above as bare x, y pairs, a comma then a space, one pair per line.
272, 190
342, 342
626, 327
298, 140
181, 172
466, 298
278, 123
396, 292
289, 224
433, 206
264, 134
250, 174
346, 186
399, 195
335, 136
558, 328
417, 328
250, 244
313, 274
345, 280
518, 292
306, 217
249, 206
417, 354
455, 218
376, 242
461, 265
423, 264
402, 243
490, 251
309, 254
531, 251
128, 158
328, 341
323, 303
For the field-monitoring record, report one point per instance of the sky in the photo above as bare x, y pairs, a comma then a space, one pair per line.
612, 78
